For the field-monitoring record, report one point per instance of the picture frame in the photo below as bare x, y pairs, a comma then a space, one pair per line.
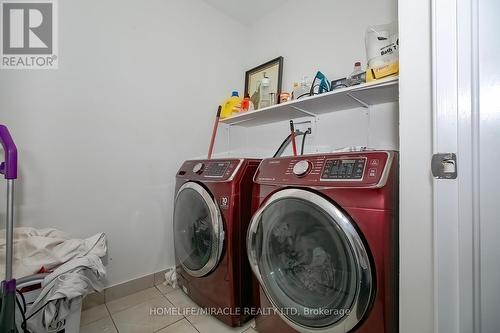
339, 83
263, 83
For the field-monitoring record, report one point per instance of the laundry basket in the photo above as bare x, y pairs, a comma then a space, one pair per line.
31, 287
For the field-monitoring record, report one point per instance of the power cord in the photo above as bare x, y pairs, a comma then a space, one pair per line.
23, 309
287, 141
303, 143
282, 147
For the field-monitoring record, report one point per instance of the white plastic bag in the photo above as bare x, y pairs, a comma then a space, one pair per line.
171, 277
382, 50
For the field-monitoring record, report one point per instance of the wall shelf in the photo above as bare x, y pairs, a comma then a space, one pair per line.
364, 95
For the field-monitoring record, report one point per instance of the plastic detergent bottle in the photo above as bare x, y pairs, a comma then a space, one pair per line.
231, 105
355, 77
302, 90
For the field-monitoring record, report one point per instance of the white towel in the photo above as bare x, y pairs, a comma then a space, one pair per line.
49, 248
70, 281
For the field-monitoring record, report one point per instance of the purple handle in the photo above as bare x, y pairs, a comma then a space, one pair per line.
9, 167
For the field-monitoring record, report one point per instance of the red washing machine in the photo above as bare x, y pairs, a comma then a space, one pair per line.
211, 217
324, 243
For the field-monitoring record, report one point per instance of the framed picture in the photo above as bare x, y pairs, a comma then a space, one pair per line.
263, 83
340, 83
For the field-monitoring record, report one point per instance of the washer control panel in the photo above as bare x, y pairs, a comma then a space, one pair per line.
344, 169
216, 170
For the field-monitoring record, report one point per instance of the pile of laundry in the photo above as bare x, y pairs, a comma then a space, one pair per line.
73, 269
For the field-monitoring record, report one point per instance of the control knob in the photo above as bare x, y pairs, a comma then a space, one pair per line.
198, 168
301, 168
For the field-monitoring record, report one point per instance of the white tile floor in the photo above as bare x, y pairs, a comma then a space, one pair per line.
132, 314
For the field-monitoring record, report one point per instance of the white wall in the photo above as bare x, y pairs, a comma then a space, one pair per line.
376, 127
326, 35
101, 138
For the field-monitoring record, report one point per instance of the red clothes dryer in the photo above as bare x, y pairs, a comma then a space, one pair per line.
211, 217
324, 243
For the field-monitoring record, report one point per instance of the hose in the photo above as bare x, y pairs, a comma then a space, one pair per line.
303, 143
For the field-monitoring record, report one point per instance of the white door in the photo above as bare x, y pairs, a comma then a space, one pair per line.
466, 80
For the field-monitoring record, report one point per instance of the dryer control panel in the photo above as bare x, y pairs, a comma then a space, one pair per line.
350, 169
216, 170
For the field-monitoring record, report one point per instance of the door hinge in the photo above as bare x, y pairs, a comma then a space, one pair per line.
444, 166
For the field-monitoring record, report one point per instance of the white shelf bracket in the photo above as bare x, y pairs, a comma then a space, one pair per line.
363, 104
304, 111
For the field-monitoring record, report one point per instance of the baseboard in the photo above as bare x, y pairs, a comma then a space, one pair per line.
123, 289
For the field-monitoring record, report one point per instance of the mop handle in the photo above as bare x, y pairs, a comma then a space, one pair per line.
9, 167
214, 133
9, 170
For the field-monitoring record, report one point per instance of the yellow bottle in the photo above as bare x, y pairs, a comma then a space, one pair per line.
231, 105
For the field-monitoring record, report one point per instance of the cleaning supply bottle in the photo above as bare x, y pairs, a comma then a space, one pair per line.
302, 90
246, 104
356, 77
231, 105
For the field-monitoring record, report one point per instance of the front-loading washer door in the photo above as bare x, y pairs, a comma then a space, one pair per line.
311, 262
198, 230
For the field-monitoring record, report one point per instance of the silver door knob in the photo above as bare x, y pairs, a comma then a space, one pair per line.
301, 168
198, 168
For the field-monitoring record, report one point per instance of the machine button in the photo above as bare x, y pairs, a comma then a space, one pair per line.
301, 168
372, 172
198, 168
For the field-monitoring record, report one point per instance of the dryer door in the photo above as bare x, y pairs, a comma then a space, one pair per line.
198, 230
311, 262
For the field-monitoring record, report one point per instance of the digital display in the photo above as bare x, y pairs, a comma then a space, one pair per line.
344, 169
217, 169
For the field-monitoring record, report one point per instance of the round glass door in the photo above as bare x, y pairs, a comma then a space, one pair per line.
198, 230
310, 261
